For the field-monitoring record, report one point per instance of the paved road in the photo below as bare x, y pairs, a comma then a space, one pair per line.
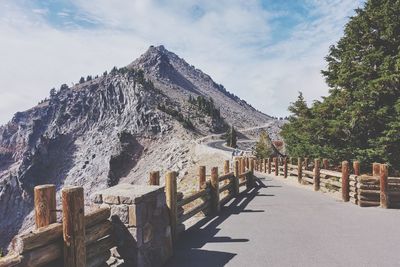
279, 224
219, 145
245, 145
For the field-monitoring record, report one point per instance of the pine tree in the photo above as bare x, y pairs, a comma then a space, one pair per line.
231, 137
263, 148
359, 119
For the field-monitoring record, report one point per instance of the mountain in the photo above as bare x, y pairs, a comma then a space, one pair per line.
112, 128
178, 79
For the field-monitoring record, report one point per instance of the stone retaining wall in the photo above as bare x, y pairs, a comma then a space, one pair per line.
141, 224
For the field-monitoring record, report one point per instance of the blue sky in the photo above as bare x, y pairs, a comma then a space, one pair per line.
263, 51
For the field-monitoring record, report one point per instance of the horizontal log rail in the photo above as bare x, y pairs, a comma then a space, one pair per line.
332, 183
193, 211
199, 194
44, 245
225, 177
311, 173
225, 187
53, 232
309, 180
242, 183
244, 174
331, 173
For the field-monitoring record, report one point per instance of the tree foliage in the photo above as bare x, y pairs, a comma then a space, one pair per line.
360, 118
206, 106
263, 148
231, 137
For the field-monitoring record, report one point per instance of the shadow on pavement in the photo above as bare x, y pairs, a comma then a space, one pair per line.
188, 250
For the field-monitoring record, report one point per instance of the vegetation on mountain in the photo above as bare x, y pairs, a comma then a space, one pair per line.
185, 121
360, 118
206, 106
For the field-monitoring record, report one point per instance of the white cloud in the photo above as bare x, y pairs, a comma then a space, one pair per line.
230, 40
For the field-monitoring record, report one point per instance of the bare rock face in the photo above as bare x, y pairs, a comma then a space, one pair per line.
113, 128
178, 79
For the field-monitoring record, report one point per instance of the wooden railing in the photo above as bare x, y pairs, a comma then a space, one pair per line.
80, 240
210, 196
85, 240
364, 190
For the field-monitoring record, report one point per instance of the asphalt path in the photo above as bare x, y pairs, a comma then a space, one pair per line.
280, 224
220, 145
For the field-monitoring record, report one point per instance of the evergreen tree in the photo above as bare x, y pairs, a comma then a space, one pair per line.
263, 148
231, 137
53, 92
82, 80
359, 119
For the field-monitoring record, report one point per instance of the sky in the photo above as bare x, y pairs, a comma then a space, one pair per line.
264, 51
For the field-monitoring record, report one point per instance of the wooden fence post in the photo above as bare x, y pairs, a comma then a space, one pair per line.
243, 165
247, 163
384, 186
252, 164
299, 170
215, 206
170, 190
269, 166
305, 163
250, 176
276, 166
262, 162
356, 167
226, 166
73, 207
345, 181
285, 168
265, 166
317, 165
202, 177
325, 164
376, 169
154, 178
45, 205
236, 179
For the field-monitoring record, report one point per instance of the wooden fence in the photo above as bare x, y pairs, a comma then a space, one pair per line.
211, 194
364, 190
81, 240
86, 239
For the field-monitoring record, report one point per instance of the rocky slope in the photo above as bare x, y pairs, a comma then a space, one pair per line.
110, 129
179, 80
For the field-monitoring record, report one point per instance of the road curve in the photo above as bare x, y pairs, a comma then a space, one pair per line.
219, 145
281, 224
